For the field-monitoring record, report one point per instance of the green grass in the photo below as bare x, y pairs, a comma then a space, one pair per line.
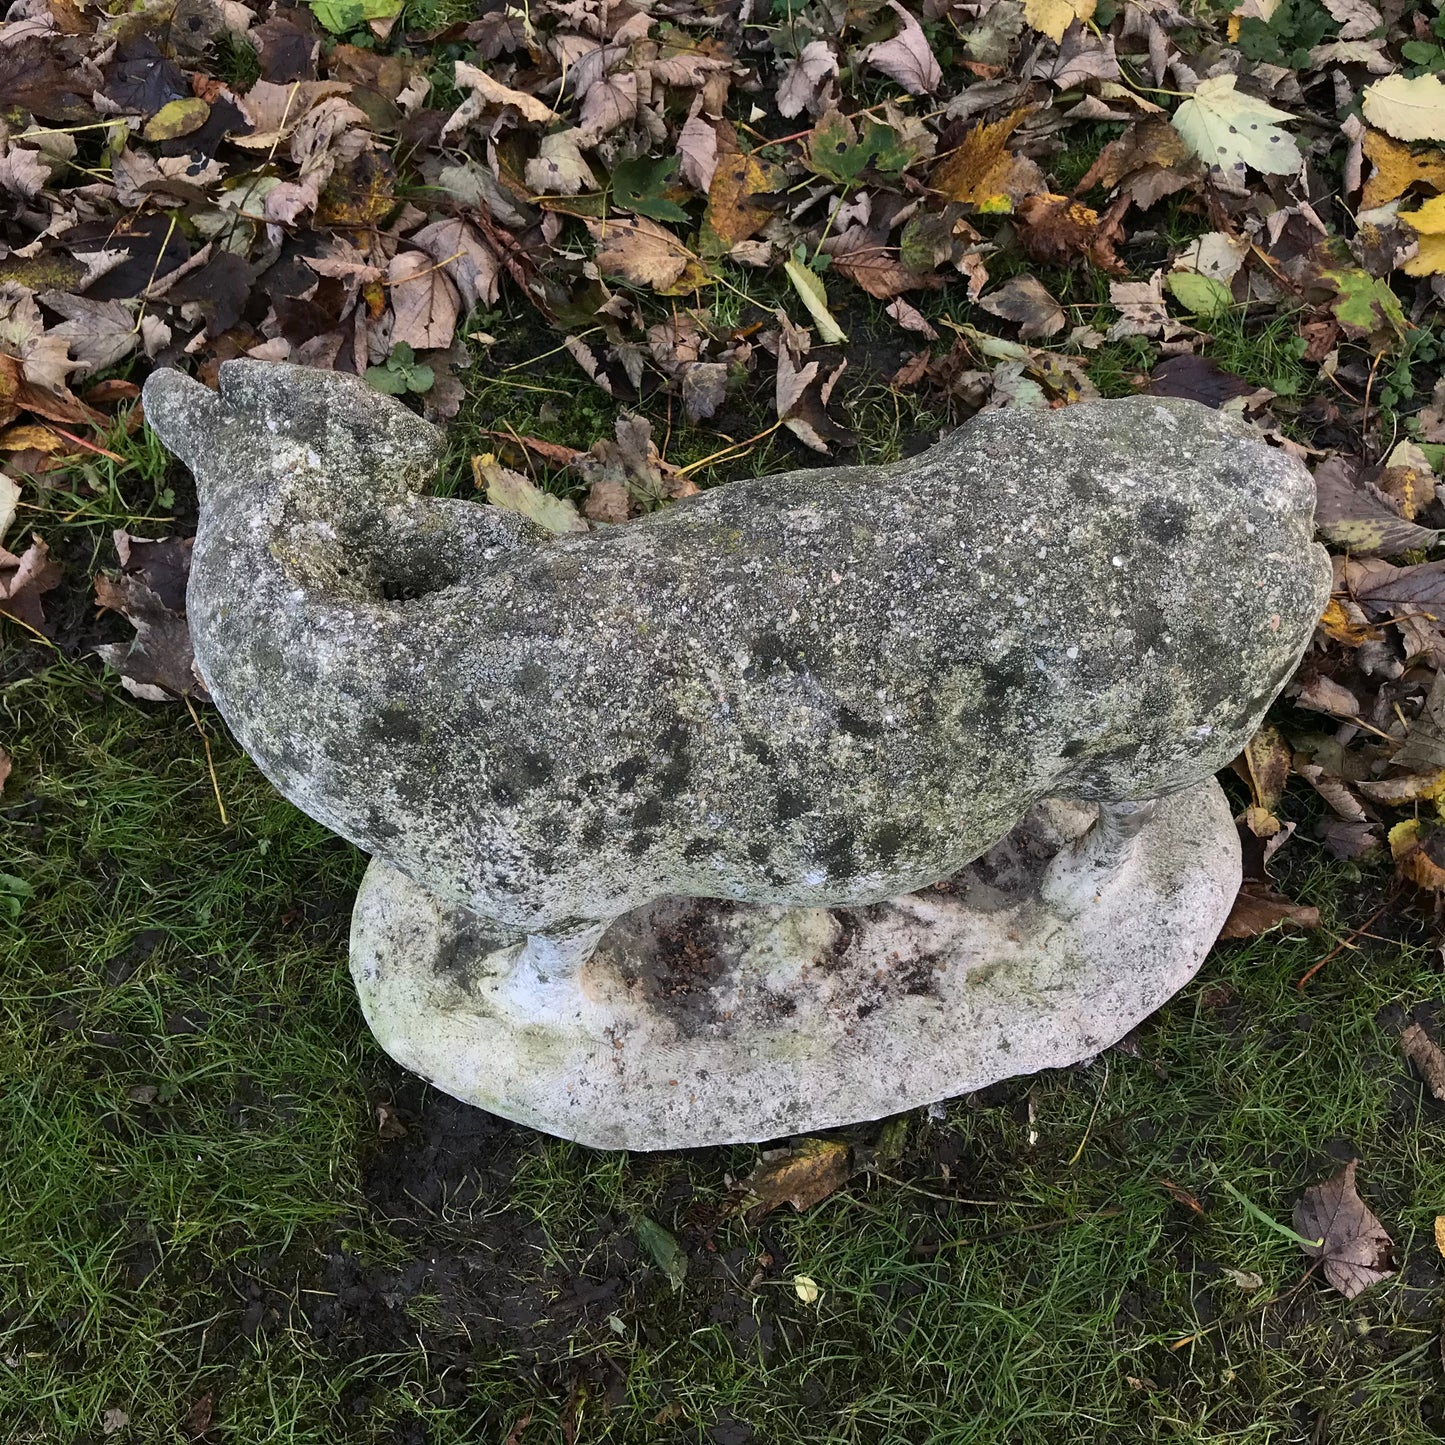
1053, 1311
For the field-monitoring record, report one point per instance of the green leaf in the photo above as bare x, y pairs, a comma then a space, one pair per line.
1200, 295
401, 356
339, 16
809, 286
509, 489
638, 185
1365, 305
419, 378
177, 118
663, 1249
384, 379
836, 152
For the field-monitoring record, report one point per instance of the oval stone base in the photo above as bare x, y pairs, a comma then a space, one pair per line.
700, 1021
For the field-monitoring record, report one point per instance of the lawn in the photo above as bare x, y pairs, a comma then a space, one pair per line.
227, 1216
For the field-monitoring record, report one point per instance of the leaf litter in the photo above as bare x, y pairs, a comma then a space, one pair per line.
341, 187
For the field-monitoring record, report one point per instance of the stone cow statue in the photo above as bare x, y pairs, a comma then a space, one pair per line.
819, 688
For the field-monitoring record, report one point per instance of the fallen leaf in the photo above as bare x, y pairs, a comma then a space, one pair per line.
6, 764
983, 173
1354, 517
809, 286
664, 1251
1357, 18
641, 251
1354, 1248
1024, 299
113, 1420
455, 246
424, 302
1418, 848
804, 78
1227, 129
1197, 378
734, 210
1427, 1057
802, 1175
1053, 17
1258, 908
559, 167
1265, 763
806, 1288
910, 318
1199, 295
9, 502
1428, 224
485, 91
24, 580
1407, 109
509, 489
150, 593
1149, 161
1054, 230
1396, 168
907, 57
177, 118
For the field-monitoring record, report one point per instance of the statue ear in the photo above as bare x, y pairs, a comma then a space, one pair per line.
354, 429
191, 421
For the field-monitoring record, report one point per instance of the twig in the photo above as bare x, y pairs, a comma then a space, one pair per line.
736, 447
1344, 944
210, 766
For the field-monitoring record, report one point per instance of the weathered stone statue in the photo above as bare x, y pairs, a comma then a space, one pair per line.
807, 800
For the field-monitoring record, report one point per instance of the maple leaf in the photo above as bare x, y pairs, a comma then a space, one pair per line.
1024, 299
1353, 1245
983, 173
1229, 130
1053, 17
424, 302
24, 580
907, 58
1054, 230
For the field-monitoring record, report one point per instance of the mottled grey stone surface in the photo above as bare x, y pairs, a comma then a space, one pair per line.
820, 688
699, 829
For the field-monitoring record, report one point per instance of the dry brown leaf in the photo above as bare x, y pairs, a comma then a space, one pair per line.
866, 259
1024, 299
24, 580
1355, 1249
907, 57
1150, 161
424, 302
1055, 230
6, 764
1357, 518
1258, 908
1426, 1055
485, 91
802, 1175
1418, 848
150, 593
641, 251
455, 246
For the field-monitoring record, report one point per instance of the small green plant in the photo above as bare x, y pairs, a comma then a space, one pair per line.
402, 373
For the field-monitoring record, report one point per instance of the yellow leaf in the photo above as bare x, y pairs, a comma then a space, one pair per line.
983, 173
1396, 168
30, 439
1440, 1233
809, 285
1053, 17
1428, 223
733, 209
806, 1288
1407, 109
177, 118
1410, 847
